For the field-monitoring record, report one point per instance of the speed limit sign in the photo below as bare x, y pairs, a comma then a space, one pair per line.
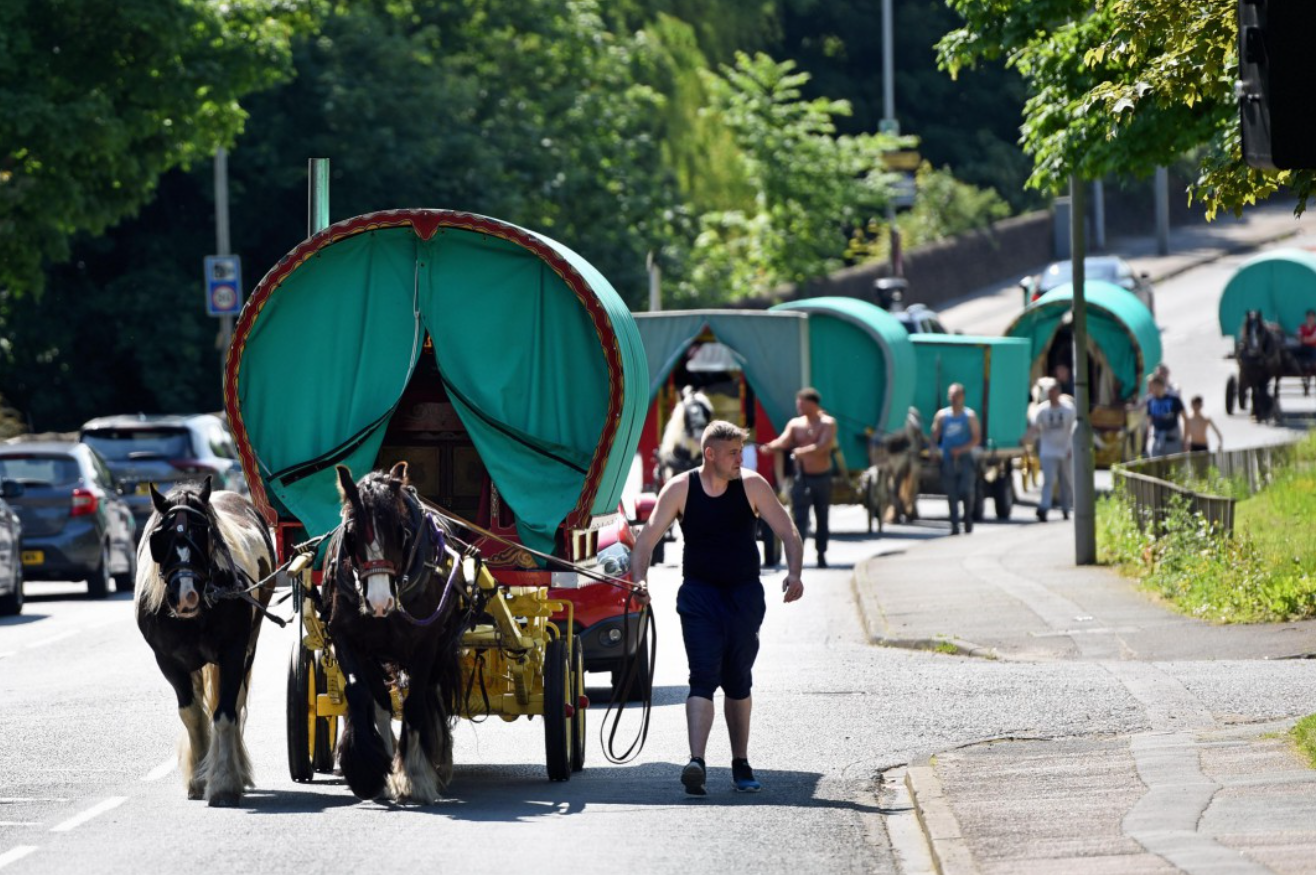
223, 285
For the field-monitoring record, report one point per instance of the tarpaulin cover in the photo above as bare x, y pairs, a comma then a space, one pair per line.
529, 364
994, 371
771, 348
862, 363
1281, 284
1119, 325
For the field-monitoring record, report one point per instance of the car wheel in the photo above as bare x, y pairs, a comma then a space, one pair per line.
124, 582
98, 582
13, 603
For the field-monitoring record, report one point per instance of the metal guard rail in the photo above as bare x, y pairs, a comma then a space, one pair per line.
1149, 483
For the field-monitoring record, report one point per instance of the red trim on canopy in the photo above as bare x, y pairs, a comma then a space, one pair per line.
425, 223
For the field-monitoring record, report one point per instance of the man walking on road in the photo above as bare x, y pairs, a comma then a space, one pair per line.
721, 601
810, 438
1053, 427
955, 432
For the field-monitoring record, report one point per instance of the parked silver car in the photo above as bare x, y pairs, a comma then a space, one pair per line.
11, 562
76, 526
142, 449
1108, 268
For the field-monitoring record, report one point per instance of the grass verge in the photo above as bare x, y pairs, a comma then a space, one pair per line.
1264, 572
1304, 736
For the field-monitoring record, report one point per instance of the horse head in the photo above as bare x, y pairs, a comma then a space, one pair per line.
182, 543
381, 521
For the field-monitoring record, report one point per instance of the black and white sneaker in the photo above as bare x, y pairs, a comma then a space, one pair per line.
693, 776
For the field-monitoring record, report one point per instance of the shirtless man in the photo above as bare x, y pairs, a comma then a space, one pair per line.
810, 438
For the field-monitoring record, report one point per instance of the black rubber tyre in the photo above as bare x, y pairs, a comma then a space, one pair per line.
557, 728
1231, 394
979, 501
1003, 496
1242, 397
127, 580
98, 582
13, 603
579, 729
301, 717
659, 551
326, 729
640, 686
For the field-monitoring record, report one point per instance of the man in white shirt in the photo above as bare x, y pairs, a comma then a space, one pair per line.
1053, 428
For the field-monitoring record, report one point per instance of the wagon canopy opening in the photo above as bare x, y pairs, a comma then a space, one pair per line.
861, 361
488, 355
1123, 341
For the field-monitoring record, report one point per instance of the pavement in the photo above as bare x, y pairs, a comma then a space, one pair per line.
1203, 791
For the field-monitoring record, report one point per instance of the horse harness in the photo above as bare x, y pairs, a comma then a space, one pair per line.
164, 545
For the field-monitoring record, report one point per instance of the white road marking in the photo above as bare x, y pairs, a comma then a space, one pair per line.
94, 811
52, 639
161, 770
13, 855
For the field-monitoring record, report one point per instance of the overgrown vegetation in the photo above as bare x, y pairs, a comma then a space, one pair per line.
1264, 572
1304, 736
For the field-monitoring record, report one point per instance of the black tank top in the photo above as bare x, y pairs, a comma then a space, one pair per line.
719, 533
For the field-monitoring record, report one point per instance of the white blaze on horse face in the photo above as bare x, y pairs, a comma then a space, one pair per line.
378, 594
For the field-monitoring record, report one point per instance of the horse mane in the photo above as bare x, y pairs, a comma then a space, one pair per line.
150, 592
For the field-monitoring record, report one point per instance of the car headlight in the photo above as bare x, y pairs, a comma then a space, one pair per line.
615, 561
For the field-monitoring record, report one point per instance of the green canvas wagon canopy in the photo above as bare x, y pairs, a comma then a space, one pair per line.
1121, 330
1281, 284
995, 374
772, 349
538, 358
862, 363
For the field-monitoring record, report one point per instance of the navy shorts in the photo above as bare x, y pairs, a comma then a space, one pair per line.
720, 625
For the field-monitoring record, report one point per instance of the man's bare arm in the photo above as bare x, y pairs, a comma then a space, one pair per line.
671, 501
767, 506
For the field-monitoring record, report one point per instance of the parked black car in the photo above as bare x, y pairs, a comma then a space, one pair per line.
76, 526
11, 562
164, 449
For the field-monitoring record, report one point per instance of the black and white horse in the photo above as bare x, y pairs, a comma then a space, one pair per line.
198, 554
396, 618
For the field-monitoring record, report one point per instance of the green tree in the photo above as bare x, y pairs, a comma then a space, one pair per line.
98, 98
812, 188
1123, 86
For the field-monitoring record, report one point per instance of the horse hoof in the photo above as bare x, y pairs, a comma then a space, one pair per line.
196, 792
225, 800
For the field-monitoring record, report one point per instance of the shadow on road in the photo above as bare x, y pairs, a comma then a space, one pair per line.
514, 794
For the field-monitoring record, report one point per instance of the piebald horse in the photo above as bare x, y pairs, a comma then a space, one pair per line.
396, 618
199, 556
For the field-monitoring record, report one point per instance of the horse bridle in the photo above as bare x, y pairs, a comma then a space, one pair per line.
416, 568
164, 543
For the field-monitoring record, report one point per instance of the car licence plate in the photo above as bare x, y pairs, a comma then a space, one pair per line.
34, 557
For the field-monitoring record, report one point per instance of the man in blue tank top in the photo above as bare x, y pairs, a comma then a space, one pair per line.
955, 432
721, 601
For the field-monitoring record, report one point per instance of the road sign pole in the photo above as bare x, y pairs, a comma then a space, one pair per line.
223, 245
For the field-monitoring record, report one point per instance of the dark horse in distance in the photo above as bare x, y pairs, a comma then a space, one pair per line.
200, 558
1262, 357
394, 602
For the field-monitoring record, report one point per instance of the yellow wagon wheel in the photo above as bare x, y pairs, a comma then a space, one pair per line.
579, 731
325, 741
557, 726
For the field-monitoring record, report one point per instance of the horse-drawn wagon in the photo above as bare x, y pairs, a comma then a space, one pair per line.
743, 366
862, 363
500, 381
1124, 347
1263, 305
994, 372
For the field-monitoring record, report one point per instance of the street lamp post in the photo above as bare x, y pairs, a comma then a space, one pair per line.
889, 124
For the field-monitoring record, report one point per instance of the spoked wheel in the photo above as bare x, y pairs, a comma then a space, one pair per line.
326, 728
1231, 394
557, 726
579, 732
301, 714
